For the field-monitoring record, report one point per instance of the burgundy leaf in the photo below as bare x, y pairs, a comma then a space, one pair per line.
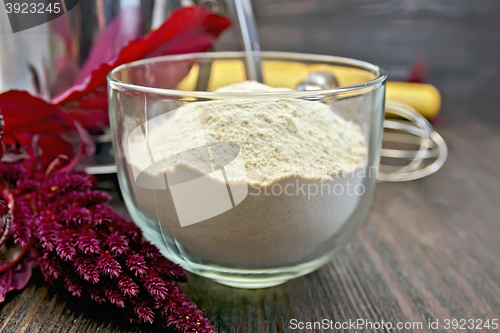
418, 72
15, 278
122, 29
31, 123
190, 29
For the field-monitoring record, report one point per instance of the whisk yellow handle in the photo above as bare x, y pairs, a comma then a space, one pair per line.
424, 98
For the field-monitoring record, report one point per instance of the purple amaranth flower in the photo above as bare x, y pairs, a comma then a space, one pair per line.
81, 243
93, 252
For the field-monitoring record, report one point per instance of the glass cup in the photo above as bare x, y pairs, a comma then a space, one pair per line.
249, 187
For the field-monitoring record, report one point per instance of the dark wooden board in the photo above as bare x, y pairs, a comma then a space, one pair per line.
430, 249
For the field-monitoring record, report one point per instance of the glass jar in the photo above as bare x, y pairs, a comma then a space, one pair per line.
250, 187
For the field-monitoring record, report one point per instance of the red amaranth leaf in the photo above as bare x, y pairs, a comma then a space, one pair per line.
15, 278
190, 29
32, 121
418, 72
125, 27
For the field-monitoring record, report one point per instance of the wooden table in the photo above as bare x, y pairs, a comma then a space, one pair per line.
430, 249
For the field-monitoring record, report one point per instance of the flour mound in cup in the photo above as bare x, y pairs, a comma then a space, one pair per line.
299, 159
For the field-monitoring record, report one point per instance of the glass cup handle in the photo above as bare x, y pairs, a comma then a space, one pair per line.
413, 130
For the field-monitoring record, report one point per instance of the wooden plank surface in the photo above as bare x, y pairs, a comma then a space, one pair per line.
430, 249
